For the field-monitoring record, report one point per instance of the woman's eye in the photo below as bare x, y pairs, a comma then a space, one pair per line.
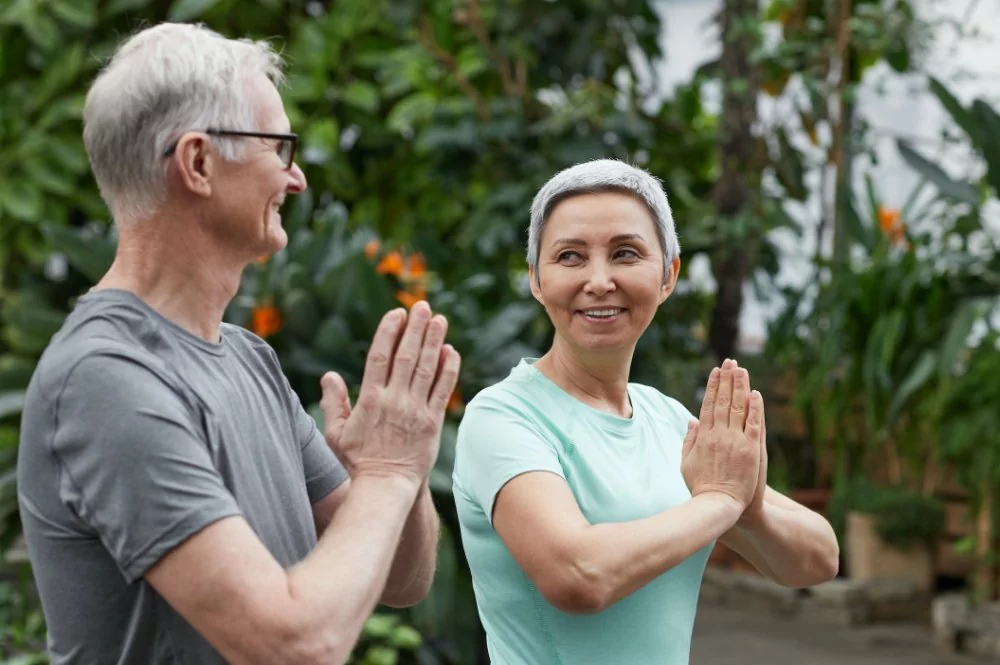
568, 256
626, 253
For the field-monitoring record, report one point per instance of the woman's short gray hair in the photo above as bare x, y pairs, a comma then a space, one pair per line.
161, 82
604, 175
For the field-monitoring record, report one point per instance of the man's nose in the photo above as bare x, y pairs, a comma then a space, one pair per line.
298, 182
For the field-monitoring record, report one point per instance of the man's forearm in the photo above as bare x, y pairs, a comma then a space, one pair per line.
415, 561
341, 581
793, 546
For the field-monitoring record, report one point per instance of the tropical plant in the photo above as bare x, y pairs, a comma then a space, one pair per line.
903, 517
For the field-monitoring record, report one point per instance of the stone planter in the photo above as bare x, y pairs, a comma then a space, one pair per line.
868, 558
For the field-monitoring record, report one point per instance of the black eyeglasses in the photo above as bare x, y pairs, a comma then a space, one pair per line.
287, 143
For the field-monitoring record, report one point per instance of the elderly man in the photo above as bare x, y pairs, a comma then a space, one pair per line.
178, 503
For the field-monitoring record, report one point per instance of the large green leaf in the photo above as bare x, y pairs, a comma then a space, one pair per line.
15, 372
116, 7
504, 327
918, 377
78, 13
961, 115
22, 200
989, 140
92, 256
957, 339
960, 191
854, 226
411, 111
361, 95
11, 403
186, 10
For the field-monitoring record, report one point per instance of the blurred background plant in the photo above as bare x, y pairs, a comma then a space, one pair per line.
426, 128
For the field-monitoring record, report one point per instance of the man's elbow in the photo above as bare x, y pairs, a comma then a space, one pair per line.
305, 641
409, 596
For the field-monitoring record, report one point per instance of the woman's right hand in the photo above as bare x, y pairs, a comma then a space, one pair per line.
721, 453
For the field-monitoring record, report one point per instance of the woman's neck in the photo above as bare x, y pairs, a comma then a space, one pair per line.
600, 381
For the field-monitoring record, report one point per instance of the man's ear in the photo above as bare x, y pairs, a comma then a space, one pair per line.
196, 163
533, 283
670, 279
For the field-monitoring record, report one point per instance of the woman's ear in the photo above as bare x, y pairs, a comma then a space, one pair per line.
533, 283
670, 279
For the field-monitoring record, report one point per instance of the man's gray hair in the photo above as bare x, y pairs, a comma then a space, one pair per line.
604, 175
163, 81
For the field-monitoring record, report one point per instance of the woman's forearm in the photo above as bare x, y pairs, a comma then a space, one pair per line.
609, 561
791, 545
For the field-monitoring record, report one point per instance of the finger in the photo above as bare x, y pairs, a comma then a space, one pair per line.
380, 352
447, 379
690, 437
405, 361
335, 394
755, 417
335, 404
741, 398
724, 398
763, 428
707, 415
430, 357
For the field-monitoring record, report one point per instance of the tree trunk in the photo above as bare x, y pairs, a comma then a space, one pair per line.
739, 181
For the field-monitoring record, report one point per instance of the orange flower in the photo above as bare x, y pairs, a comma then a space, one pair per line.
391, 264
265, 320
410, 298
416, 267
891, 223
888, 218
455, 402
371, 248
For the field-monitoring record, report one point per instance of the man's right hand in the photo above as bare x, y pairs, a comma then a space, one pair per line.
721, 453
395, 427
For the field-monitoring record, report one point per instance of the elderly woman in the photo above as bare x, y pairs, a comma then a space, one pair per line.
588, 505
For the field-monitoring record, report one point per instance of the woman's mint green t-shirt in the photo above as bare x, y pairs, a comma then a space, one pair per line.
619, 470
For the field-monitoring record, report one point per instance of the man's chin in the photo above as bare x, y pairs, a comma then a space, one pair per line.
277, 239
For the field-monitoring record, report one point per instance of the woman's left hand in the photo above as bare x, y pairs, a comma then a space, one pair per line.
756, 506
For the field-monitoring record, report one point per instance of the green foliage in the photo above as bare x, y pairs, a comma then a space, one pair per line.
425, 127
22, 625
903, 517
385, 640
885, 343
979, 124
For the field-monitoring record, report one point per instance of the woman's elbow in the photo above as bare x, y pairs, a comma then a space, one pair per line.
828, 566
822, 566
579, 589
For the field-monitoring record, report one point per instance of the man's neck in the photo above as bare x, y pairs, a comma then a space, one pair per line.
600, 381
181, 276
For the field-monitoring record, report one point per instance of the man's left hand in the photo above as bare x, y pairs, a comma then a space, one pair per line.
336, 406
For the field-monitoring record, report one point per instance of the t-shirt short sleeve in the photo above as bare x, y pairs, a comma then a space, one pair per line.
497, 443
323, 471
135, 463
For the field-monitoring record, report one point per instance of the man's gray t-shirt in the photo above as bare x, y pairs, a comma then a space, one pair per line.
137, 434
